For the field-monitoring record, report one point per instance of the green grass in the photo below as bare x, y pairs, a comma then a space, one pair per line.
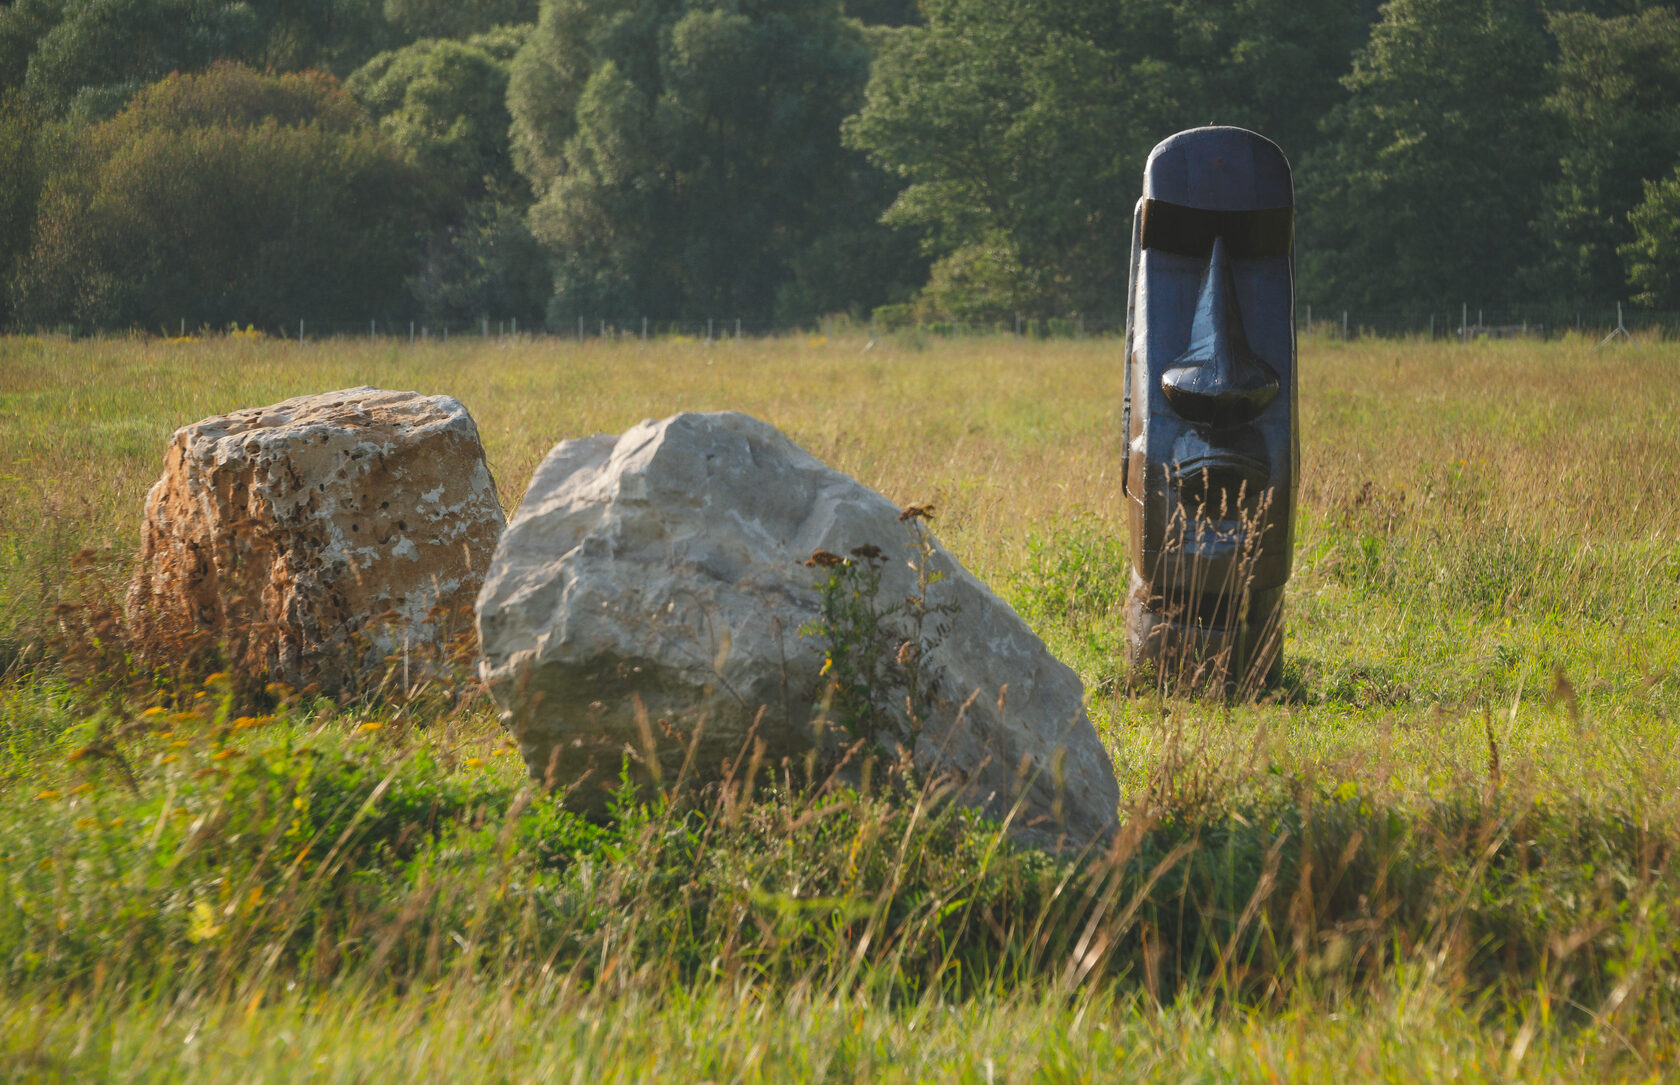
1444, 847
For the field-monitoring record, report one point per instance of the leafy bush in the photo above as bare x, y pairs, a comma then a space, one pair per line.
228, 196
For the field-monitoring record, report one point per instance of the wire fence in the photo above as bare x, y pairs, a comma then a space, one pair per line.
1467, 321
1464, 323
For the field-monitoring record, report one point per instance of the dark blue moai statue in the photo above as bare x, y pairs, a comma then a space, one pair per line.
1211, 451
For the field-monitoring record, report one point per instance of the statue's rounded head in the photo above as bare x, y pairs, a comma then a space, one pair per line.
1219, 168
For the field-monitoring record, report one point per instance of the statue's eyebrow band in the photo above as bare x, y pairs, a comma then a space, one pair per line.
1189, 231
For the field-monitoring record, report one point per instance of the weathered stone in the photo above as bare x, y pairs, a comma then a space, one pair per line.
316, 537
651, 592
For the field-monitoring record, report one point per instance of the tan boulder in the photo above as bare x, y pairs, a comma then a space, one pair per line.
315, 538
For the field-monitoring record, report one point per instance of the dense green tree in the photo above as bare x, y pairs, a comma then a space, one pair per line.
226, 196
20, 184
1022, 126
484, 264
1617, 101
445, 102
685, 153
337, 36
22, 26
1437, 161
1653, 252
884, 12
456, 18
102, 51
88, 57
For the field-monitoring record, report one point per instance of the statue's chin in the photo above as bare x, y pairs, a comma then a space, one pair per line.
1219, 556
1209, 562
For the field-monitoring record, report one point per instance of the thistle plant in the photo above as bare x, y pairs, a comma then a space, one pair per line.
860, 665
877, 652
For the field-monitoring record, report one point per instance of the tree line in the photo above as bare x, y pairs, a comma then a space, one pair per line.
779, 160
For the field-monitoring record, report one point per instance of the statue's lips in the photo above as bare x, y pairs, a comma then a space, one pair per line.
1220, 487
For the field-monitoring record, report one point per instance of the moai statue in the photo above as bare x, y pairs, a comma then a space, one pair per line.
1211, 451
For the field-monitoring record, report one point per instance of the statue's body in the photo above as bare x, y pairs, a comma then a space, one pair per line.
1211, 452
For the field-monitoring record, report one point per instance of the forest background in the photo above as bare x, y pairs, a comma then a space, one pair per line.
175, 164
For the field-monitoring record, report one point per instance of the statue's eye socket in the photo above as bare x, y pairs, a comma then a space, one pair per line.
1189, 231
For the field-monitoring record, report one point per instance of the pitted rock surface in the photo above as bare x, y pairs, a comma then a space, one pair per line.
319, 536
650, 590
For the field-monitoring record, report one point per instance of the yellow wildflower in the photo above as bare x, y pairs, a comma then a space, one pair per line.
203, 926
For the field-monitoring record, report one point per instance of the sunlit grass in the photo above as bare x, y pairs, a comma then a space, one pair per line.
1481, 657
1404, 1033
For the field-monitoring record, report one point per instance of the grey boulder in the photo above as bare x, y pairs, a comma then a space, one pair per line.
650, 604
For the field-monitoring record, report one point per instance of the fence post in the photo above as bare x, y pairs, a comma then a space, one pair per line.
300, 333
1309, 318
644, 329
1464, 321
1344, 325
411, 333
516, 327
708, 331
580, 329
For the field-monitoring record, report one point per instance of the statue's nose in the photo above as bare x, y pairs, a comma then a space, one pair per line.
1218, 380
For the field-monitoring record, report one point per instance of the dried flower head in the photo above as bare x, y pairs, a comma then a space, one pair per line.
823, 559
916, 512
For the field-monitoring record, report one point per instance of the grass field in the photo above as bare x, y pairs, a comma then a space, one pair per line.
1444, 848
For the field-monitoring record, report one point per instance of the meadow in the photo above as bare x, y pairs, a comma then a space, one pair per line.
1444, 847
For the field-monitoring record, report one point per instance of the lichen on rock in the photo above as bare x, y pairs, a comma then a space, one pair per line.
310, 540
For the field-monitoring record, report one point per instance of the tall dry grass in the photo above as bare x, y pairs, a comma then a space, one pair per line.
1445, 844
